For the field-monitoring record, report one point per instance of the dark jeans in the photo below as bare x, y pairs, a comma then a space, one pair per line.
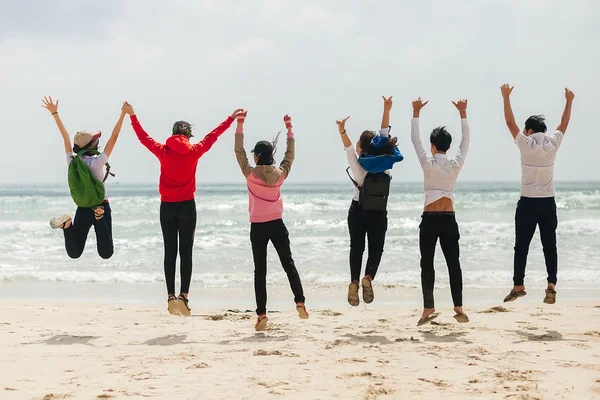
178, 220
532, 212
77, 233
373, 224
277, 233
440, 225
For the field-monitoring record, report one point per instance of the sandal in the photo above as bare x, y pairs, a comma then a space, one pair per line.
301, 308
172, 305
462, 318
512, 296
428, 319
98, 212
550, 296
261, 322
184, 308
60, 222
367, 287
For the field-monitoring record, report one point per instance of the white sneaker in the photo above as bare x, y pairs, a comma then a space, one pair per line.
59, 222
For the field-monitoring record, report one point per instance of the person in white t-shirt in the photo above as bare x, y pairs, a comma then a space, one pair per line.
536, 207
99, 217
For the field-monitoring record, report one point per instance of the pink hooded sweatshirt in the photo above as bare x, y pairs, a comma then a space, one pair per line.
264, 181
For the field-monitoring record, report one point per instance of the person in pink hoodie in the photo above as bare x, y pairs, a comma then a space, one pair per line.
266, 211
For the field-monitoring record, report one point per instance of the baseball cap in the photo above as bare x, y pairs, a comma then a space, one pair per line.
263, 147
83, 138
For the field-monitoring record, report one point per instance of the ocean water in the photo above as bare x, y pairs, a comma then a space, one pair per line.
30, 251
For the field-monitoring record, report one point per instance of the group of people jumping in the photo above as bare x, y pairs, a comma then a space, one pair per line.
370, 164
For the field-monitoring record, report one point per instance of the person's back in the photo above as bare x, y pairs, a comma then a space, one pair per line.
178, 164
264, 188
538, 153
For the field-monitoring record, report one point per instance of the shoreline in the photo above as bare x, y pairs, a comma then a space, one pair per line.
280, 297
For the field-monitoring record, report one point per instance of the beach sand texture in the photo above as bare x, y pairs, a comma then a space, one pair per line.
76, 351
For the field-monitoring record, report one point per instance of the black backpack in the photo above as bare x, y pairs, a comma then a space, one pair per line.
374, 193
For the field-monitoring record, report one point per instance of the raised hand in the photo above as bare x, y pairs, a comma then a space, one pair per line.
569, 95
387, 103
127, 108
461, 105
418, 104
506, 90
236, 112
49, 105
287, 120
342, 124
241, 116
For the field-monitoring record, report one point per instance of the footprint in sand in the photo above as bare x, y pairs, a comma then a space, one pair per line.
497, 309
198, 366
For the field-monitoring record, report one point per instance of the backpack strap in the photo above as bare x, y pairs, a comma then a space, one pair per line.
352, 179
107, 173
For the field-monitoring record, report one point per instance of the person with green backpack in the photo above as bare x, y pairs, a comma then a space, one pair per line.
86, 179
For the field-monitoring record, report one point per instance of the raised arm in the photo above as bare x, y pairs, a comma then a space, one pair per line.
343, 134
387, 107
509, 117
240, 152
566, 116
142, 135
110, 144
52, 107
288, 158
205, 144
463, 148
415, 134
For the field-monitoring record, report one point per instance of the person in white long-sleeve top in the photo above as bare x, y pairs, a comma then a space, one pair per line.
438, 220
370, 163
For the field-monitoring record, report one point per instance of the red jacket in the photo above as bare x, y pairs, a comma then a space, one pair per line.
178, 160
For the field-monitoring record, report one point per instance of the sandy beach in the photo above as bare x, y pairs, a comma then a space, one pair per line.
79, 351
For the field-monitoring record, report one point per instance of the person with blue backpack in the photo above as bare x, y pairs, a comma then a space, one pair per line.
370, 163
86, 182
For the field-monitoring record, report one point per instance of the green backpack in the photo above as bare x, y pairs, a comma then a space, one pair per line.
86, 190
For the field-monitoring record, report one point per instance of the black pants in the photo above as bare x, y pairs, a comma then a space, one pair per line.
178, 221
277, 233
440, 225
532, 212
77, 233
373, 224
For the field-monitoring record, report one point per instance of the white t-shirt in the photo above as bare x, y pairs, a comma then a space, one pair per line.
358, 172
96, 164
440, 173
538, 152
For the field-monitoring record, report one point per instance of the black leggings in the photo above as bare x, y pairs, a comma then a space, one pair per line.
532, 212
373, 224
178, 219
77, 233
277, 233
440, 225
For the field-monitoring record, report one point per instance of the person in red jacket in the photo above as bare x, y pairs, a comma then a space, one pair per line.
178, 161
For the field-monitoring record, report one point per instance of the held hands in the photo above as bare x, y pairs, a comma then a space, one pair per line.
127, 109
241, 116
49, 105
287, 120
342, 125
236, 112
506, 90
569, 95
387, 103
461, 105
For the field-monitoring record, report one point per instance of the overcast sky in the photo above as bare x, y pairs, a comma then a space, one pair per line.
316, 60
